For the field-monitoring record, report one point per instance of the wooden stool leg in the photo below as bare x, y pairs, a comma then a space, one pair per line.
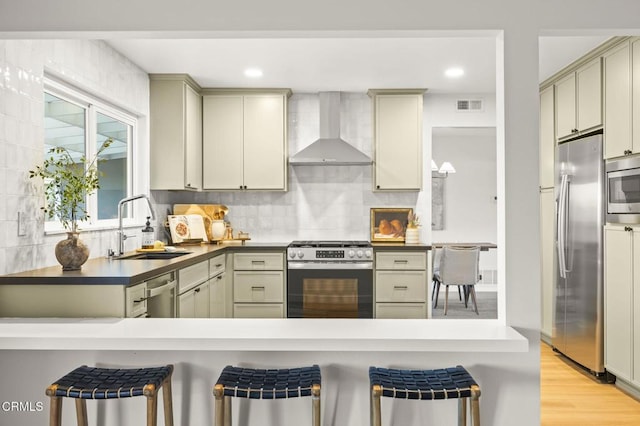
55, 412
218, 393
475, 405
167, 402
462, 411
376, 391
227, 411
315, 402
81, 411
152, 410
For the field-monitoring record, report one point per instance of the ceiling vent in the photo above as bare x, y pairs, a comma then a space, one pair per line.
467, 105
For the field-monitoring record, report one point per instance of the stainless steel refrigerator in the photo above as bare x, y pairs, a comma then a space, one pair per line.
579, 310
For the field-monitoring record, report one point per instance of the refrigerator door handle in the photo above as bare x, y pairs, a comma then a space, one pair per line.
561, 223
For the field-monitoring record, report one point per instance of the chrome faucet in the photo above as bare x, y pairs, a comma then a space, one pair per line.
121, 235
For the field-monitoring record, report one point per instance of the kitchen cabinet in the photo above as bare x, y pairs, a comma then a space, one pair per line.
578, 105
401, 284
547, 250
622, 302
136, 301
176, 132
617, 101
193, 291
397, 118
258, 285
245, 139
547, 137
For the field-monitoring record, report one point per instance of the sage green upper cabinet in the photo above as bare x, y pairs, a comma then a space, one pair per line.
579, 101
176, 132
547, 138
245, 139
397, 117
617, 101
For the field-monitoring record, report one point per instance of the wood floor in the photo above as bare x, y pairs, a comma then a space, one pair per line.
569, 396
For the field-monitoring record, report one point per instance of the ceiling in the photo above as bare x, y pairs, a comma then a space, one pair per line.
354, 64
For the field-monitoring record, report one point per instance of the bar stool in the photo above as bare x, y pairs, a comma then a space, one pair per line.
446, 383
110, 383
266, 384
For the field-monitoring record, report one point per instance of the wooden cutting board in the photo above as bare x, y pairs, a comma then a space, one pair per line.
208, 212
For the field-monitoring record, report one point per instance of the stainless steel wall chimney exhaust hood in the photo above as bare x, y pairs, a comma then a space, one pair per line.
329, 150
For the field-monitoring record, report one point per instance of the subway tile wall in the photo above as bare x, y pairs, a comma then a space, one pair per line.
90, 65
322, 202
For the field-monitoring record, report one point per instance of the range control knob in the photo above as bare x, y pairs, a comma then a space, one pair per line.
367, 254
292, 254
351, 253
360, 254
300, 254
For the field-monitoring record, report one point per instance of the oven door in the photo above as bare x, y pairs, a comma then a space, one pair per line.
623, 193
329, 290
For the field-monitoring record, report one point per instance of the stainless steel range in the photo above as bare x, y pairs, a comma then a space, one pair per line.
330, 279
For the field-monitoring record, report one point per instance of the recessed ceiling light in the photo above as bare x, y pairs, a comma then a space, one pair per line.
454, 72
253, 72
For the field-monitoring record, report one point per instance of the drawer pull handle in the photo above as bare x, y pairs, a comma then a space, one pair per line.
404, 261
218, 265
400, 287
257, 262
140, 300
257, 288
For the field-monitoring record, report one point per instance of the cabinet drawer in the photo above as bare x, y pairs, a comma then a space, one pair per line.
192, 275
401, 310
258, 287
258, 261
401, 260
136, 300
402, 286
216, 265
263, 310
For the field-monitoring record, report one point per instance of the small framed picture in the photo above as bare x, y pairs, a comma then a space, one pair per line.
389, 224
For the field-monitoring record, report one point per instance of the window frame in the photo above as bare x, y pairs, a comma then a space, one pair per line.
92, 104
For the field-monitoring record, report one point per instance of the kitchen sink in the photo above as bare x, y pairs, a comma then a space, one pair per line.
154, 255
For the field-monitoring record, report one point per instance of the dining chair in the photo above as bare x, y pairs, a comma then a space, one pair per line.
435, 279
459, 266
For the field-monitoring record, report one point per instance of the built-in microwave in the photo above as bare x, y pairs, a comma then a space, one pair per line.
623, 190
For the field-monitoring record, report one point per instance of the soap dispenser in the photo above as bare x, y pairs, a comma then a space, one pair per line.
148, 238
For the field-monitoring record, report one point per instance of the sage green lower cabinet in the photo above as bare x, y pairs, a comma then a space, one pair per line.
193, 291
401, 284
258, 285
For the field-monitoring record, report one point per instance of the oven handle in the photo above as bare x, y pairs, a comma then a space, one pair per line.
329, 265
153, 292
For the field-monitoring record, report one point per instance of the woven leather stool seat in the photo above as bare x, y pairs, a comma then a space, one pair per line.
445, 383
266, 384
112, 383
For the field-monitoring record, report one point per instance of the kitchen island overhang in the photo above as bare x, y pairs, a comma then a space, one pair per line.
264, 335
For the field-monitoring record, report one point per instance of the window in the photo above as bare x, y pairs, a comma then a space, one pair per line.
81, 123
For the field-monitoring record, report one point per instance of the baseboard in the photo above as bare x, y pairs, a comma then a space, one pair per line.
628, 388
545, 338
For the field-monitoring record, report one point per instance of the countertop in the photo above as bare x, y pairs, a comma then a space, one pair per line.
105, 271
361, 335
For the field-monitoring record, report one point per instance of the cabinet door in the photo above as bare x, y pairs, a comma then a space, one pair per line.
264, 142
547, 273
187, 305
201, 301
566, 106
193, 139
547, 138
618, 301
617, 101
589, 99
398, 142
636, 307
217, 296
222, 150
636, 95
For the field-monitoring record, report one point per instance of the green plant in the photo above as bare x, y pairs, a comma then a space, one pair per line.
413, 221
67, 183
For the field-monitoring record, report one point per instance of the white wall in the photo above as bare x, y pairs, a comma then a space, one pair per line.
90, 65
